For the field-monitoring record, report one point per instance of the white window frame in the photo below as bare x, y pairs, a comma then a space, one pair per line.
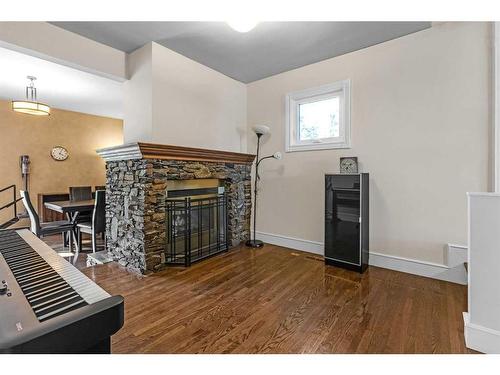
341, 89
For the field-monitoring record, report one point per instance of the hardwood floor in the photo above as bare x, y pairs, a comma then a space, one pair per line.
55, 241
275, 300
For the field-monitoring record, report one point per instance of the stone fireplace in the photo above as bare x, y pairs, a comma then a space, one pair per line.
137, 177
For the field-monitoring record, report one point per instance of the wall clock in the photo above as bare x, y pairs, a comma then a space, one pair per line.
349, 165
59, 153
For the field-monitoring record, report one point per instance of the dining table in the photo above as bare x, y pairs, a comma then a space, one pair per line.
72, 209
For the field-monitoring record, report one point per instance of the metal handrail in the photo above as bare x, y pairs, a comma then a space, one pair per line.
11, 203
8, 187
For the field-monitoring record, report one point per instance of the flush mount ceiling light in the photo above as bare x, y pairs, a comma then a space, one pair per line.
30, 105
242, 26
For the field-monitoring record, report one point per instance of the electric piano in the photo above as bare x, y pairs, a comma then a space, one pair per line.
47, 305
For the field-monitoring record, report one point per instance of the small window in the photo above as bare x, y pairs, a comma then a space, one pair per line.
319, 118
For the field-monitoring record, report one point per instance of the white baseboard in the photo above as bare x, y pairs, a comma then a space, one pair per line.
482, 339
416, 267
292, 242
455, 255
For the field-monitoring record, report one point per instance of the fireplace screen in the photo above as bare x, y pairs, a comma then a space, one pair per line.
196, 225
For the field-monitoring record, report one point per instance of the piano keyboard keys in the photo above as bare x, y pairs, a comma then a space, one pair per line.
21, 253
56, 291
34, 275
47, 292
21, 257
89, 291
50, 302
62, 310
28, 265
33, 284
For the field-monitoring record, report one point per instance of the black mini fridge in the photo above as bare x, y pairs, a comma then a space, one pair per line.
347, 221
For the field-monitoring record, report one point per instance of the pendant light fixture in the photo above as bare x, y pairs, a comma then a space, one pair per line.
30, 105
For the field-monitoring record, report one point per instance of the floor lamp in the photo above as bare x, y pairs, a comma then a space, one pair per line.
259, 130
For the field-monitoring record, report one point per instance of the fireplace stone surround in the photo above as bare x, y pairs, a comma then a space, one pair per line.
137, 176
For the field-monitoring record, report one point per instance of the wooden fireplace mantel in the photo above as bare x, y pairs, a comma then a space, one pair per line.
141, 150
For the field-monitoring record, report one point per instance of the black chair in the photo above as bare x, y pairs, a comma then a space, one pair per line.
96, 188
80, 193
48, 228
98, 223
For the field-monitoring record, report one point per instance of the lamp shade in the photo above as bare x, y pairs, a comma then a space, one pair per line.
261, 129
31, 108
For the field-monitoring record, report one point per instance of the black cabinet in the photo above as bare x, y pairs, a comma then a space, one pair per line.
346, 220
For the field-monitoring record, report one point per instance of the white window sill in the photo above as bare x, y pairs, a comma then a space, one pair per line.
317, 146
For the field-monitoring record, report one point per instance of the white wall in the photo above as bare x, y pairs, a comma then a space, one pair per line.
420, 127
482, 321
171, 99
49, 42
138, 96
194, 105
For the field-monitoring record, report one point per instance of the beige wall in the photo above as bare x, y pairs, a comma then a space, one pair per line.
172, 99
35, 136
420, 127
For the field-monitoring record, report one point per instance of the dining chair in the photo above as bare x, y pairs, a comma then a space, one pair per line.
47, 228
99, 187
80, 193
98, 223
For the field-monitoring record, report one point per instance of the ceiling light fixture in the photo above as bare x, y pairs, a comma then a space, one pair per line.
242, 26
30, 105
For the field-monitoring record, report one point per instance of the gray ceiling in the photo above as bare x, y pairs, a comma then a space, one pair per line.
270, 48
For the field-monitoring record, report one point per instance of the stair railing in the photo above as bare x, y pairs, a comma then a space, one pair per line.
11, 203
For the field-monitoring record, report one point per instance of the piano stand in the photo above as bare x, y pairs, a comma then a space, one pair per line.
102, 347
